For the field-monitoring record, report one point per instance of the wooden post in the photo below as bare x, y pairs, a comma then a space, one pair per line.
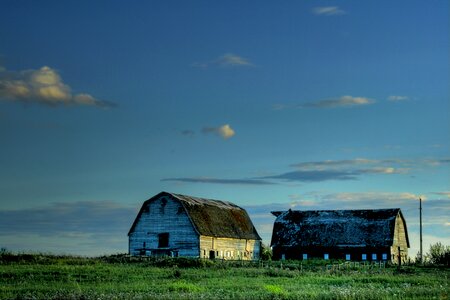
421, 249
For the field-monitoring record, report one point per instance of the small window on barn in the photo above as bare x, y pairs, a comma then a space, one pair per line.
364, 257
374, 256
347, 256
143, 245
326, 256
163, 205
163, 240
384, 255
305, 256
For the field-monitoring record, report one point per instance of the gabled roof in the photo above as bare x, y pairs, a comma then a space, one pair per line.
336, 228
211, 217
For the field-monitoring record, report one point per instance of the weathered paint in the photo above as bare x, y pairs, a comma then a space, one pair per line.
399, 240
228, 248
164, 215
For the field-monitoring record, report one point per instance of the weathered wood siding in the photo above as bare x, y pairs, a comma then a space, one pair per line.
229, 248
399, 241
164, 215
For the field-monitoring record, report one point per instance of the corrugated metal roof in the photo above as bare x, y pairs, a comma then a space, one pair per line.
212, 217
330, 228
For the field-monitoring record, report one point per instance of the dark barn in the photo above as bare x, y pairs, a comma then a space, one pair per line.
357, 235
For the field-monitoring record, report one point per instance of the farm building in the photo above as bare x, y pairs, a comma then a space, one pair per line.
358, 235
177, 225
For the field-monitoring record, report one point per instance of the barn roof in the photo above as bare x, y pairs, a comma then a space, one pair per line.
336, 228
212, 217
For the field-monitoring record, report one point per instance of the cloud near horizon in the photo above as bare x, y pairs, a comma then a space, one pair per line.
226, 60
318, 171
100, 227
43, 86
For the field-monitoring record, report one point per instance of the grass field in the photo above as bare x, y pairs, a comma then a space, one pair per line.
44, 277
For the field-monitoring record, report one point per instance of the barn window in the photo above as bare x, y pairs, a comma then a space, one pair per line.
347, 256
364, 257
143, 245
305, 256
384, 256
326, 256
374, 256
163, 240
163, 205
283, 256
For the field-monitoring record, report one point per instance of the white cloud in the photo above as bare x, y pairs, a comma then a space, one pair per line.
343, 101
225, 131
44, 86
397, 98
226, 60
328, 11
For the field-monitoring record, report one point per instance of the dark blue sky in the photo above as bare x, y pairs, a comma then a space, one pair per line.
313, 104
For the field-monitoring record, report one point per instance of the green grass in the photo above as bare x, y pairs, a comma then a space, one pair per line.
83, 278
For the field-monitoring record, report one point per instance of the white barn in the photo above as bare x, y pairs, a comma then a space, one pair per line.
178, 225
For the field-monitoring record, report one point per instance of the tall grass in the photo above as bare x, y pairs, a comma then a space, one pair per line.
121, 277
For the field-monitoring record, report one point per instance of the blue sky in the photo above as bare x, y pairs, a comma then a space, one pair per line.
309, 104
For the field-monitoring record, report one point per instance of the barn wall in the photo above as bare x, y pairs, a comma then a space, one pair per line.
228, 248
399, 240
164, 215
317, 252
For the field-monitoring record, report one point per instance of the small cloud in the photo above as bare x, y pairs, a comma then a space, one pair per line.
328, 11
44, 86
445, 194
226, 60
188, 132
344, 101
225, 131
315, 176
219, 181
397, 98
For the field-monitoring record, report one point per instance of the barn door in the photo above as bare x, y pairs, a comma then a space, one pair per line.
212, 254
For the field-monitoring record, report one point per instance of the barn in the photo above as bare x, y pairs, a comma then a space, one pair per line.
357, 235
174, 225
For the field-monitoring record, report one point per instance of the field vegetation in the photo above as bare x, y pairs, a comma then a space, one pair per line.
39, 276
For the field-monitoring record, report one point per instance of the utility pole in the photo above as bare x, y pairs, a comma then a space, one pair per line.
420, 213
